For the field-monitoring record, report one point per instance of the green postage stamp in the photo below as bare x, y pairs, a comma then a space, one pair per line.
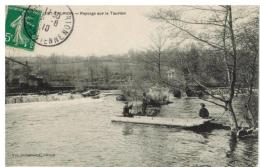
16, 34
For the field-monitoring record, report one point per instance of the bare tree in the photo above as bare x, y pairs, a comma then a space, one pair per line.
219, 34
249, 41
158, 47
154, 59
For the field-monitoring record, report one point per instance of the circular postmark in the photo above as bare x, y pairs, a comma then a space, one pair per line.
53, 27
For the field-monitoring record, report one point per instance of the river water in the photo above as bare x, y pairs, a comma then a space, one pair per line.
79, 132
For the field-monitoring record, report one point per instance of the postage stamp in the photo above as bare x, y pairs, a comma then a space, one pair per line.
56, 24
15, 33
44, 25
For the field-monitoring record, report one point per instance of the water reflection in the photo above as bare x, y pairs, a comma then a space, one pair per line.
250, 148
127, 129
85, 136
241, 151
205, 135
249, 151
232, 147
153, 145
233, 142
187, 105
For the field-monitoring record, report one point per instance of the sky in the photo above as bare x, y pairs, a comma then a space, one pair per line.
102, 35
114, 34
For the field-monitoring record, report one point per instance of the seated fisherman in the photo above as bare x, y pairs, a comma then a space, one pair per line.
126, 108
203, 113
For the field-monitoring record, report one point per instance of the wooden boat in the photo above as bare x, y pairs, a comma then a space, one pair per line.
174, 122
90, 93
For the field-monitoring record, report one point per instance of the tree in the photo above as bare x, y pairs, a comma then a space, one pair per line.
54, 63
158, 46
106, 74
216, 31
248, 39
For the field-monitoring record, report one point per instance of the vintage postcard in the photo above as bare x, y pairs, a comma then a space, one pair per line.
131, 86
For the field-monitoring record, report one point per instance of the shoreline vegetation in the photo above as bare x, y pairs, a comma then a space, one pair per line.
218, 65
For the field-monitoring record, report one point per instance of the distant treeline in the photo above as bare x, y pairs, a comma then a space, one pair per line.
139, 66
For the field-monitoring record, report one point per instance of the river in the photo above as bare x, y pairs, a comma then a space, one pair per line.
79, 132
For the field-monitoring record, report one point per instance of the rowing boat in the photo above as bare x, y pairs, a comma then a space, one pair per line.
175, 122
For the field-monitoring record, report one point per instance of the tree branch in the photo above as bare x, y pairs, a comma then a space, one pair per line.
215, 103
192, 35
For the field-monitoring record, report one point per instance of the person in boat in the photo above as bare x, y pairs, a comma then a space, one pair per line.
144, 103
203, 113
126, 112
243, 132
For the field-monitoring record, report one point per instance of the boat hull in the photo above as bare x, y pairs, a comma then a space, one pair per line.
175, 122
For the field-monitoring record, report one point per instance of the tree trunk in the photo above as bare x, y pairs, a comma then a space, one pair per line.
225, 50
249, 109
234, 69
233, 115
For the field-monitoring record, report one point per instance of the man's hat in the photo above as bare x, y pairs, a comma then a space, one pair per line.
202, 104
